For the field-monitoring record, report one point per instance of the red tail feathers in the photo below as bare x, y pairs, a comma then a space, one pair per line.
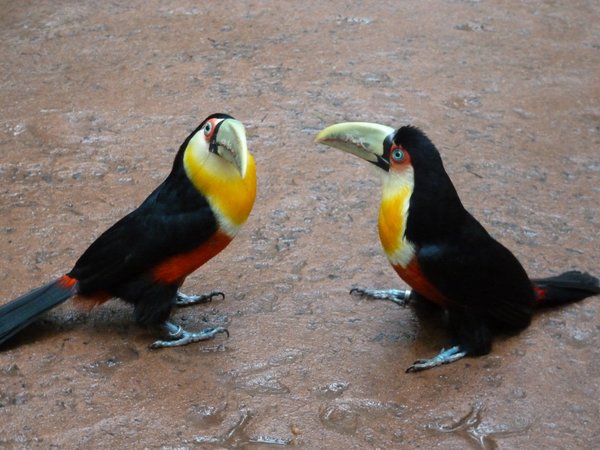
567, 287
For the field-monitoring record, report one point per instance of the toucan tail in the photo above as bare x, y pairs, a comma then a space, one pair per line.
567, 287
17, 314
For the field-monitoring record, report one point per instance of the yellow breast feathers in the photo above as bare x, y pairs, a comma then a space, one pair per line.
230, 196
393, 213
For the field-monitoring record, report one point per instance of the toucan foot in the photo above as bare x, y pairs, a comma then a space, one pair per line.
444, 357
182, 299
176, 336
398, 296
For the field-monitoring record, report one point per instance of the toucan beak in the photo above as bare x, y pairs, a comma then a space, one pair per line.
369, 141
230, 142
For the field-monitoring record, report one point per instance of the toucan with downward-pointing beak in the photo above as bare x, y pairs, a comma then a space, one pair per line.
145, 257
440, 250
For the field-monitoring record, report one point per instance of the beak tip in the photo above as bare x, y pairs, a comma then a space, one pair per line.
319, 138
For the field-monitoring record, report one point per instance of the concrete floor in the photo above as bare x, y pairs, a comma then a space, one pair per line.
95, 99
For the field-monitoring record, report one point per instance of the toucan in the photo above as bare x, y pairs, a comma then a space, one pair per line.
145, 257
441, 251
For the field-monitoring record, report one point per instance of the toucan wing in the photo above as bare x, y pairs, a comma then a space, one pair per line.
164, 225
473, 270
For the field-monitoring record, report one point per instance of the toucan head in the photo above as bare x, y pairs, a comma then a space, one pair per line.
216, 159
413, 178
219, 141
393, 151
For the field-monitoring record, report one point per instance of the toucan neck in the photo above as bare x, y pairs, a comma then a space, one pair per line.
435, 208
230, 196
394, 211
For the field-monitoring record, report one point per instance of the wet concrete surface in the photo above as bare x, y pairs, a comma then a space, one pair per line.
97, 97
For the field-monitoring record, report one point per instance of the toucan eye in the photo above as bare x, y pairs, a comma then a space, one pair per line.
207, 128
398, 155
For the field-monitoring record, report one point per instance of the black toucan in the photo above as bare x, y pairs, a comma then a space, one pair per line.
440, 250
145, 257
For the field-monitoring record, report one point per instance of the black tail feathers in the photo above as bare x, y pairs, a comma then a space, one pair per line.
567, 287
17, 314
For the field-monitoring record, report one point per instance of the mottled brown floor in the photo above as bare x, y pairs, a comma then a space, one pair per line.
95, 99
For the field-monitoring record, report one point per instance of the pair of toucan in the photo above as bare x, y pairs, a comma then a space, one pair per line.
433, 243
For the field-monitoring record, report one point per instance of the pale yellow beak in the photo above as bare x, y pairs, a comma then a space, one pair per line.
363, 139
231, 144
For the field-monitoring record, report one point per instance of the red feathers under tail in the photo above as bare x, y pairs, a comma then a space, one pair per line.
567, 287
18, 313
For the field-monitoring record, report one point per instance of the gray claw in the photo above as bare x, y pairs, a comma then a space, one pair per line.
444, 357
182, 337
399, 296
186, 300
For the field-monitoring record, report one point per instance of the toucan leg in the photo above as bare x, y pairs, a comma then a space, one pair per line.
399, 296
186, 300
444, 357
176, 336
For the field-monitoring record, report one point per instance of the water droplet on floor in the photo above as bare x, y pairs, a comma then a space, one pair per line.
347, 415
208, 414
475, 430
333, 390
340, 417
236, 435
263, 384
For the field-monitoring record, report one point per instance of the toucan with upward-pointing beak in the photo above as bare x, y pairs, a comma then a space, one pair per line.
145, 257
440, 250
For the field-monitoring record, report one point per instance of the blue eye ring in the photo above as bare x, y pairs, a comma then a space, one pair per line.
398, 155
